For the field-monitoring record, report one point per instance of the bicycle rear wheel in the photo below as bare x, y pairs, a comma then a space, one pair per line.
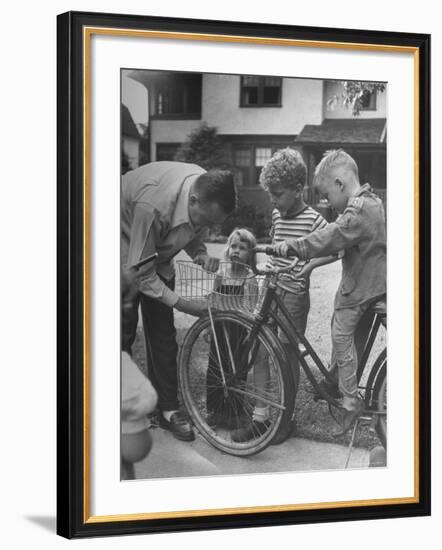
219, 397
380, 401
376, 395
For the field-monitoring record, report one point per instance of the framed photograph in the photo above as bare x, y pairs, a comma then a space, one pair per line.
238, 207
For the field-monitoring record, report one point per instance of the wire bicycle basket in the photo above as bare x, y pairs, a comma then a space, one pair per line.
233, 287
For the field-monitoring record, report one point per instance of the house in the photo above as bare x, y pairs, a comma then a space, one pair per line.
130, 140
257, 115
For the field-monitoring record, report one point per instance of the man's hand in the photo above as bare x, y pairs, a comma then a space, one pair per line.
209, 263
130, 279
198, 308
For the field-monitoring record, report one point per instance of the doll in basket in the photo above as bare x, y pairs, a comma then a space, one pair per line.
234, 288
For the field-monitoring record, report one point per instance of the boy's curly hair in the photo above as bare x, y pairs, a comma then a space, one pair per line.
286, 167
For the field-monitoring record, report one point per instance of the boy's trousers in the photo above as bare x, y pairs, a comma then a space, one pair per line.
344, 353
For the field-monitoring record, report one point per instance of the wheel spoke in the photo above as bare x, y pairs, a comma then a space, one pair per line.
258, 396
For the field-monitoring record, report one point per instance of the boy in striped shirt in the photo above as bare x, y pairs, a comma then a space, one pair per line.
284, 177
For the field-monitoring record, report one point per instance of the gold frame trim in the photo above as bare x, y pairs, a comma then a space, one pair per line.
87, 33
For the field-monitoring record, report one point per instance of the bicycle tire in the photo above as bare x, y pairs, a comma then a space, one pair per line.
376, 395
193, 367
380, 403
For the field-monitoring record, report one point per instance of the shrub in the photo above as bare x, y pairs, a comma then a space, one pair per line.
248, 216
205, 148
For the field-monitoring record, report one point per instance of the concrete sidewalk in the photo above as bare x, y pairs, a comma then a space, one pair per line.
172, 458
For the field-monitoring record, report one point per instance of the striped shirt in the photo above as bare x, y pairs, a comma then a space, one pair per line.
293, 227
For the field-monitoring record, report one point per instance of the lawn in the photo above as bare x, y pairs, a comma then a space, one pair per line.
313, 420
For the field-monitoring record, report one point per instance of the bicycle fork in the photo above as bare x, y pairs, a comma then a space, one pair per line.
218, 354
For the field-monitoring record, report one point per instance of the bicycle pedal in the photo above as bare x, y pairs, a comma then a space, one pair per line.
317, 397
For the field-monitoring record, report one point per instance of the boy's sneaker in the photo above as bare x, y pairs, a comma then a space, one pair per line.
255, 428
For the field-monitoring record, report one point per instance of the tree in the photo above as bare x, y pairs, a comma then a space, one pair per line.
204, 147
355, 93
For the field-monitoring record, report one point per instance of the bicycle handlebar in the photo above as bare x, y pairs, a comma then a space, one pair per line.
264, 249
270, 251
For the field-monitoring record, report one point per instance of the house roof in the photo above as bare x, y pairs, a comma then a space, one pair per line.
344, 130
128, 127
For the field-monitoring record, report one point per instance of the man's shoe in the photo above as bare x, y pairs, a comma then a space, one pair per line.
178, 425
349, 418
255, 428
328, 387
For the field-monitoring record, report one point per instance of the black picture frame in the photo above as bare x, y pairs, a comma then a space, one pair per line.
73, 519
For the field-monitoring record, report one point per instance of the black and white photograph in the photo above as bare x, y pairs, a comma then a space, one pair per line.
223, 225
253, 274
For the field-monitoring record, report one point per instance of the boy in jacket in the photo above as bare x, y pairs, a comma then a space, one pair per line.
360, 233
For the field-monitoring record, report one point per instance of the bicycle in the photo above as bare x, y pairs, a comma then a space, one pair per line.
234, 336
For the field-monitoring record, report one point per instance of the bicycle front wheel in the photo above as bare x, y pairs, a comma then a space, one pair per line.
226, 373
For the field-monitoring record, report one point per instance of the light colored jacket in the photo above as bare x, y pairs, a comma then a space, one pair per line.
361, 233
155, 218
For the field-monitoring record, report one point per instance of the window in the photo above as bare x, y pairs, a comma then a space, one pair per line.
243, 157
262, 155
243, 164
250, 158
167, 151
260, 91
180, 95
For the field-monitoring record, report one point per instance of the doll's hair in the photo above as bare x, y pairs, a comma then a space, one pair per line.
244, 236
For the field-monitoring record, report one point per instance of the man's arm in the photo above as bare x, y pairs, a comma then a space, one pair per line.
145, 231
197, 250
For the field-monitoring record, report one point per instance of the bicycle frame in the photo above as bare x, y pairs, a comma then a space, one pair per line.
273, 307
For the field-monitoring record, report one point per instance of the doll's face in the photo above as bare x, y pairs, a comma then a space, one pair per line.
239, 251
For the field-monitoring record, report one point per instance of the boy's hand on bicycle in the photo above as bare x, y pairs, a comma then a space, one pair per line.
198, 308
285, 249
282, 249
209, 263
